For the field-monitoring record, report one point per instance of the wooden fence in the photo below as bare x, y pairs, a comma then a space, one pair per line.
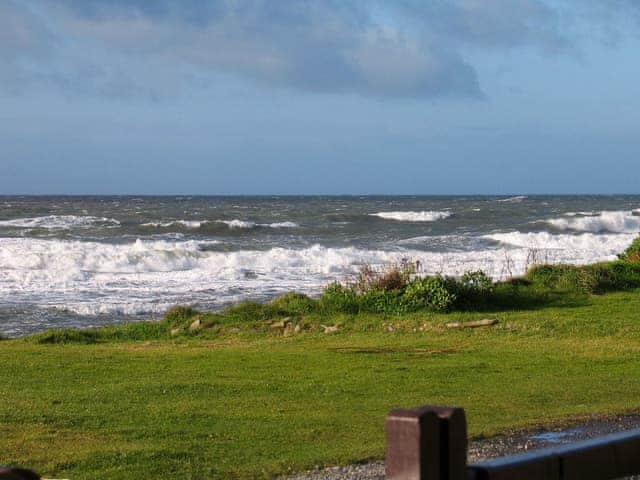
430, 443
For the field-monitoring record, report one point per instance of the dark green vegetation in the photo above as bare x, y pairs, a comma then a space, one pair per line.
242, 393
632, 254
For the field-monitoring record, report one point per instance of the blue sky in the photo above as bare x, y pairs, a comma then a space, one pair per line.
304, 97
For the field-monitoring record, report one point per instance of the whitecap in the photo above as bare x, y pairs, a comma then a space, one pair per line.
606, 221
59, 222
190, 224
423, 216
249, 224
516, 199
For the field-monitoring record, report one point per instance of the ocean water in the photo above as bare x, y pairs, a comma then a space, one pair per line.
88, 261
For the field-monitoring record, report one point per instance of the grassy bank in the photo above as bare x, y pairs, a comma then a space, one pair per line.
242, 394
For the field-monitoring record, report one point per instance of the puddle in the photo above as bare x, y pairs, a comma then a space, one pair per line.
557, 437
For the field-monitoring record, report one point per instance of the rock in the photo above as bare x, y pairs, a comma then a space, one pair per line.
329, 328
485, 322
288, 330
175, 332
195, 325
297, 329
279, 324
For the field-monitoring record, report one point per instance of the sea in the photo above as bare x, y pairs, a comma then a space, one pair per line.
83, 261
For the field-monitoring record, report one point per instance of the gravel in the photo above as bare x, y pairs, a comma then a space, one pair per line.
486, 448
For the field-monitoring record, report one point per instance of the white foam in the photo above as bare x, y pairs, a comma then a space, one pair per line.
195, 224
424, 216
607, 221
146, 276
598, 245
191, 224
249, 224
516, 199
59, 222
282, 225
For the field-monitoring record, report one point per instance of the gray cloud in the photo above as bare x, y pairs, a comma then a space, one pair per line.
405, 48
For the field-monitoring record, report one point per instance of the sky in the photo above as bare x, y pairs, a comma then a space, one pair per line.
319, 97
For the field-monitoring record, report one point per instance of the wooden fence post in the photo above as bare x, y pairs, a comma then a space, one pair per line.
426, 443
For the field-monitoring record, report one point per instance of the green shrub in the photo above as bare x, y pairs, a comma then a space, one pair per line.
380, 301
250, 310
620, 275
478, 282
428, 292
293, 303
338, 298
563, 278
179, 314
632, 253
87, 336
472, 290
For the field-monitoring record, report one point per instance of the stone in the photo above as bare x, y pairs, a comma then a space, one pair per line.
330, 328
195, 325
485, 322
175, 332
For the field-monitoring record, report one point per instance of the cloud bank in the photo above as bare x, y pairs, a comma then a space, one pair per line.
404, 48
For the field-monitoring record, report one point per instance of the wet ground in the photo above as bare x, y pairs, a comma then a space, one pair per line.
501, 445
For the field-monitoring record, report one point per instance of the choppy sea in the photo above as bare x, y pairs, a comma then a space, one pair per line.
88, 261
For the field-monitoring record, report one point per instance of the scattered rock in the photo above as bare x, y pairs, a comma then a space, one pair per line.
297, 328
329, 328
195, 325
280, 324
485, 322
175, 332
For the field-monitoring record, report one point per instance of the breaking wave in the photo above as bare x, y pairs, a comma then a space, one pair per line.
196, 224
607, 221
592, 247
248, 224
147, 276
425, 216
192, 224
59, 222
516, 199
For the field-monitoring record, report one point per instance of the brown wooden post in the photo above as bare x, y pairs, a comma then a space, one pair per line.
427, 443
7, 473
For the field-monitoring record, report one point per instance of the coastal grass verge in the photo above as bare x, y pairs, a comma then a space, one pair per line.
232, 395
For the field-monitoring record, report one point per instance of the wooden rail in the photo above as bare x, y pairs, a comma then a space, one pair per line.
430, 443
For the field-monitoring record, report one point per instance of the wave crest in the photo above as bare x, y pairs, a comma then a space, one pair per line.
607, 221
424, 216
59, 222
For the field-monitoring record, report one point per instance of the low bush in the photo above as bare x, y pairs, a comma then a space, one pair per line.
612, 276
472, 290
293, 303
392, 278
179, 314
339, 298
430, 293
632, 253
563, 278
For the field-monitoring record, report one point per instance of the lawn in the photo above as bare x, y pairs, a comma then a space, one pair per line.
246, 403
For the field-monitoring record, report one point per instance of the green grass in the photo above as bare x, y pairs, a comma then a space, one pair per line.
240, 400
